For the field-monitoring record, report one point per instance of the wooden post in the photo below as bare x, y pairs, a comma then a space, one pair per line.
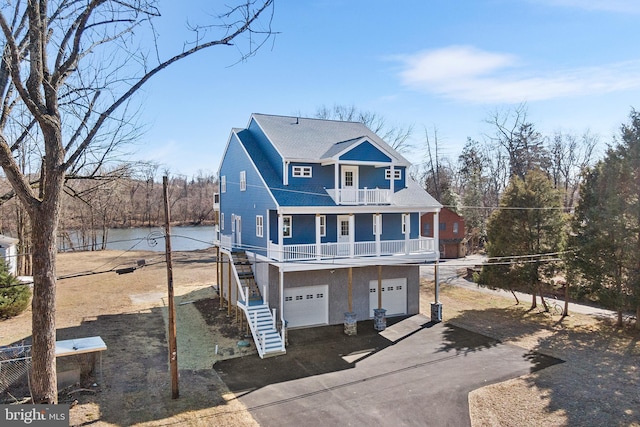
379, 286
566, 300
229, 288
173, 347
218, 273
350, 282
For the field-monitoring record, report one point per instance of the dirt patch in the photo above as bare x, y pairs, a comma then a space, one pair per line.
129, 312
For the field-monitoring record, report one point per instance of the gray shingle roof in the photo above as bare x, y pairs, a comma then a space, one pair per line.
300, 138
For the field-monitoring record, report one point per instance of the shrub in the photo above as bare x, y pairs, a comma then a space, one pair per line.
14, 297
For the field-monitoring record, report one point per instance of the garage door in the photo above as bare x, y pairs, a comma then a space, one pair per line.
306, 306
394, 296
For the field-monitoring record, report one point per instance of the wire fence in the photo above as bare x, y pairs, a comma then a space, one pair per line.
15, 363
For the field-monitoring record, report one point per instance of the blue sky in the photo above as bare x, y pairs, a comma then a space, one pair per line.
440, 64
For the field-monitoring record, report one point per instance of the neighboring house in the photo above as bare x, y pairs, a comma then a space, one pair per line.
9, 253
318, 219
451, 232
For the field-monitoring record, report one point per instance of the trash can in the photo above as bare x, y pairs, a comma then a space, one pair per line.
379, 319
350, 323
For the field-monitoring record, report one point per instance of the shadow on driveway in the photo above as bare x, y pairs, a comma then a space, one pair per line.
414, 373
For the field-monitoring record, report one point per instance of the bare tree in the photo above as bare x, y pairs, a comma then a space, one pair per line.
570, 157
68, 73
522, 143
398, 137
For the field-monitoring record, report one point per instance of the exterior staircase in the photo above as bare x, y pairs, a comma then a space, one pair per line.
262, 321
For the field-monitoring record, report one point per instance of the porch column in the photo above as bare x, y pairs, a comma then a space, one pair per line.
318, 237
436, 306
436, 233
336, 183
407, 232
280, 237
378, 220
281, 292
352, 235
392, 182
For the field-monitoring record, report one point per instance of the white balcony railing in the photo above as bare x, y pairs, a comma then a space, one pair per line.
304, 252
363, 196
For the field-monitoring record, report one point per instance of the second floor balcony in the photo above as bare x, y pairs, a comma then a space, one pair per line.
325, 251
360, 196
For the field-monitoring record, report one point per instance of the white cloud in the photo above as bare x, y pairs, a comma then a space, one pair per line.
468, 74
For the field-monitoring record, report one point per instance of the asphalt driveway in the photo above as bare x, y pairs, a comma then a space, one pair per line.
413, 373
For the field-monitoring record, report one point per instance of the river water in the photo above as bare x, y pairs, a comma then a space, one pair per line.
183, 238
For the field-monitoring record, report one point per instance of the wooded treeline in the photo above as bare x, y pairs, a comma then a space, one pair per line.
124, 196
474, 182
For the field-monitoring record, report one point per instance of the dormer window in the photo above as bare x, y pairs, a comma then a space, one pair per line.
397, 174
302, 171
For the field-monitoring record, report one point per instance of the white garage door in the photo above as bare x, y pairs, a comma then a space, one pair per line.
394, 296
306, 306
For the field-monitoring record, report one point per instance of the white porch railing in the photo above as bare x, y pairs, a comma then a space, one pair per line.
363, 196
226, 241
302, 252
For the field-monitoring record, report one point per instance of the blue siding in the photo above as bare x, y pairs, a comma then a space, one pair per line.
247, 204
364, 228
392, 227
269, 153
365, 151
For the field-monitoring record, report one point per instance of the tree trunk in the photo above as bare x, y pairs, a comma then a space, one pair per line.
45, 217
534, 303
638, 317
44, 384
619, 322
515, 296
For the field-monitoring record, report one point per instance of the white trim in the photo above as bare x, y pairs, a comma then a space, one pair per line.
347, 209
221, 221
255, 168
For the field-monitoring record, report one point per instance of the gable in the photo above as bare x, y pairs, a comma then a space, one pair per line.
367, 152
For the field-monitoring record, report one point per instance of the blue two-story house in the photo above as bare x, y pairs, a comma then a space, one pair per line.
318, 218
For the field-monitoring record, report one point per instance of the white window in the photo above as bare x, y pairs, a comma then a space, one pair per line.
397, 174
286, 226
243, 180
455, 228
375, 225
259, 226
222, 221
302, 171
223, 184
323, 225
233, 223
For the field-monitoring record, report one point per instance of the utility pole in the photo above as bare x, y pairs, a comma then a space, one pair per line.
173, 346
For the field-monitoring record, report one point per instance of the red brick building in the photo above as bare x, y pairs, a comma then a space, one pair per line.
452, 232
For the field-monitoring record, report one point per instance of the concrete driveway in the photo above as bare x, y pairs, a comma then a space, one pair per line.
413, 373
